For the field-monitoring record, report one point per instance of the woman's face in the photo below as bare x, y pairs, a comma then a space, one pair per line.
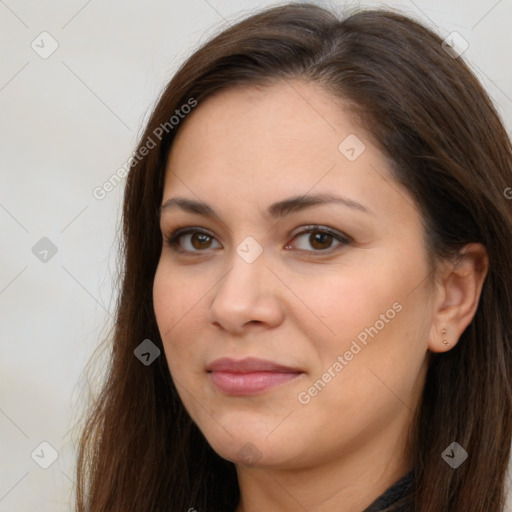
332, 285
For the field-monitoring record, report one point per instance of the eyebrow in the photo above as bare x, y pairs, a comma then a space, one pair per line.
279, 209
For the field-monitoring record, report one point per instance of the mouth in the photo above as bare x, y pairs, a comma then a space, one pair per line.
249, 376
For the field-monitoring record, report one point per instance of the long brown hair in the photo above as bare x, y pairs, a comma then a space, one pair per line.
427, 112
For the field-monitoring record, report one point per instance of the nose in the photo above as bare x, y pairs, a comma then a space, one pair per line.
248, 295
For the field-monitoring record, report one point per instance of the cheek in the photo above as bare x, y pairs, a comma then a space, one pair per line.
372, 304
346, 301
173, 304
378, 334
175, 293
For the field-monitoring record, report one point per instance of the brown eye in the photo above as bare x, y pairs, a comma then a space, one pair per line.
318, 239
200, 240
190, 240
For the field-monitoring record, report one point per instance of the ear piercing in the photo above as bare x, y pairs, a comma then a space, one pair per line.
443, 332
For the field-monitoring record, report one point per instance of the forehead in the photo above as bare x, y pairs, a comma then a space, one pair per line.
258, 130
268, 142
252, 124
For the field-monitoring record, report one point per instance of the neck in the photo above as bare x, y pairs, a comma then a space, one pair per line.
346, 482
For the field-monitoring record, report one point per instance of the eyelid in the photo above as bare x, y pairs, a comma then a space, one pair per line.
172, 240
342, 238
312, 228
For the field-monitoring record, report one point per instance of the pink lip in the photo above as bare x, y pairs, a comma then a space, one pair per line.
249, 376
248, 365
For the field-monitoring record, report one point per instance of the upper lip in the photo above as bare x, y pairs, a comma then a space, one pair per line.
248, 365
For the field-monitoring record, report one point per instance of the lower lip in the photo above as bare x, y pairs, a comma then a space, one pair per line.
240, 384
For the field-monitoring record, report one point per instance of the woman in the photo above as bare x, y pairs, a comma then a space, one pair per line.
316, 310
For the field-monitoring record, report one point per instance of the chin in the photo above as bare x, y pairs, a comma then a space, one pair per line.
251, 449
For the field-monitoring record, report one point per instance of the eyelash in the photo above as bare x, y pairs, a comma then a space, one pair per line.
172, 241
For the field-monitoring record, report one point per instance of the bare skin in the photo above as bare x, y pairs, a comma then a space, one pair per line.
304, 300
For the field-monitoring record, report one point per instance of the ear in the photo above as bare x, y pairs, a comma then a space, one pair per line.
458, 292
